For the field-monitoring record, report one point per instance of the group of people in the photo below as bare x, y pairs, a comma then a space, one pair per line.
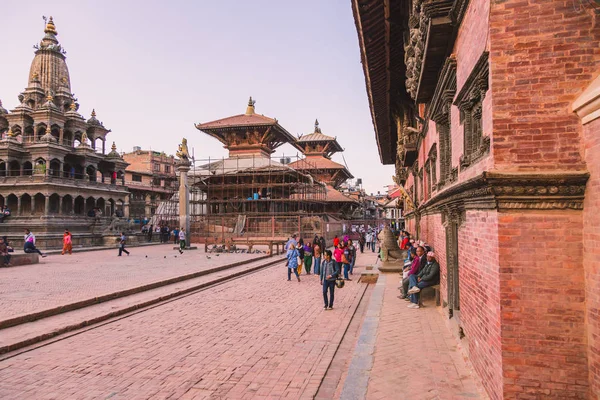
165, 233
5, 251
328, 265
421, 269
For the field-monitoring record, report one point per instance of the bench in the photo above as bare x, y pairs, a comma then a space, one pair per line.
20, 258
435, 290
251, 242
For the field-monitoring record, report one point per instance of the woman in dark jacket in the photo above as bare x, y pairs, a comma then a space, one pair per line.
329, 273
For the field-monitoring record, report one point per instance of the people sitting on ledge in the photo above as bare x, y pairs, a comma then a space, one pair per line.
4, 213
428, 275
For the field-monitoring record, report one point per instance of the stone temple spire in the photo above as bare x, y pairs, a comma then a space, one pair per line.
49, 64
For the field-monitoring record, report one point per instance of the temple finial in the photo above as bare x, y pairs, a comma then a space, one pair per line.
50, 27
49, 97
94, 114
36, 77
317, 129
250, 108
113, 147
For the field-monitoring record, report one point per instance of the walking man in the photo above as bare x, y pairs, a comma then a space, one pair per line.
329, 274
122, 242
181, 240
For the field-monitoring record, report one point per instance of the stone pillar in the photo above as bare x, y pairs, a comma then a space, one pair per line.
46, 205
61, 132
32, 205
183, 167
60, 205
72, 206
126, 209
19, 210
103, 146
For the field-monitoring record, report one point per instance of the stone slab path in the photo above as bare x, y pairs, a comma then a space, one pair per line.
258, 336
58, 280
415, 356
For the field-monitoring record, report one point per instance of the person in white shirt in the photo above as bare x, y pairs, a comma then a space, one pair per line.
181, 240
29, 246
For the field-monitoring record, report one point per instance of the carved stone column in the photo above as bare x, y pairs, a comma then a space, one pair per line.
46, 205
183, 167
60, 205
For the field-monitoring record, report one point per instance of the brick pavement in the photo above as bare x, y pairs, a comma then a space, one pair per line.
60, 280
255, 337
415, 355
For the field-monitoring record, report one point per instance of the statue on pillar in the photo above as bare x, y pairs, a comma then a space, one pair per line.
183, 152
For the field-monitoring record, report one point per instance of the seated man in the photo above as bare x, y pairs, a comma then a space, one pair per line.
4, 213
429, 275
4, 254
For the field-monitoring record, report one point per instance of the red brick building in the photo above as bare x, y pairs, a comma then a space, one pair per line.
489, 111
150, 178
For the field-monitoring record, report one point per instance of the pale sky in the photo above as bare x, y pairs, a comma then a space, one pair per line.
152, 69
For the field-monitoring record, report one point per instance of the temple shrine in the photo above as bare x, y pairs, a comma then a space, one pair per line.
249, 191
53, 163
318, 149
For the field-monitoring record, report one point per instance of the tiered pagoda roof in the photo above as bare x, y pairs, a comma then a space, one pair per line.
318, 149
248, 134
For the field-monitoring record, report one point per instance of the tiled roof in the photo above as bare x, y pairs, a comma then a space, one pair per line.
335, 196
316, 163
315, 137
238, 120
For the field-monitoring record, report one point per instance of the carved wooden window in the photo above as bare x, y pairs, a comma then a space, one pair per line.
428, 178
470, 101
440, 113
431, 169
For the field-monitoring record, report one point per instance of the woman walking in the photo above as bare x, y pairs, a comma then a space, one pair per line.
337, 255
300, 250
329, 273
308, 254
67, 243
292, 264
317, 256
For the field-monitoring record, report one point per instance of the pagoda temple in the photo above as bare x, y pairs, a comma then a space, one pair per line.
249, 183
53, 163
318, 149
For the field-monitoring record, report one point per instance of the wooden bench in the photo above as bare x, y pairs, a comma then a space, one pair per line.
435, 290
21, 258
271, 242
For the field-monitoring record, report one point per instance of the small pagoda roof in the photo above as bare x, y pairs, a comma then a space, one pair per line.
319, 137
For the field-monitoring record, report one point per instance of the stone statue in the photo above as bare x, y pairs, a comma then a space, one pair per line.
183, 152
84, 139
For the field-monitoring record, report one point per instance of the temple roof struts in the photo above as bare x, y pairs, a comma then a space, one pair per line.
248, 133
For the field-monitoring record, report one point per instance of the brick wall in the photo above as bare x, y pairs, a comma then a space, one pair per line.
542, 55
480, 296
591, 251
543, 304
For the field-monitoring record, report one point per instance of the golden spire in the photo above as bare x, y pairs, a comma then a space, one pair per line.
49, 97
113, 147
11, 133
73, 106
50, 27
250, 108
94, 114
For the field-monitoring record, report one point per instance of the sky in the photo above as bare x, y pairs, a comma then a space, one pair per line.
151, 69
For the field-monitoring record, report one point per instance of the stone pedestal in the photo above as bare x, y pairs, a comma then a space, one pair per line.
183, 167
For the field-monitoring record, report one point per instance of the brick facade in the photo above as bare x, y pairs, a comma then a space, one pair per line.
520, 216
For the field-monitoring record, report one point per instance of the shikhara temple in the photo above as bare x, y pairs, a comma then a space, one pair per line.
53, 163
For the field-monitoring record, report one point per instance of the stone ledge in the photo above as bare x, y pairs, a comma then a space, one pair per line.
587, 105
17, 259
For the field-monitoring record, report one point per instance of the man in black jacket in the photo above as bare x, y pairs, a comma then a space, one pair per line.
428, 275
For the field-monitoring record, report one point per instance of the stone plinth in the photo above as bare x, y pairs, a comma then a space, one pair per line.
17, 259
